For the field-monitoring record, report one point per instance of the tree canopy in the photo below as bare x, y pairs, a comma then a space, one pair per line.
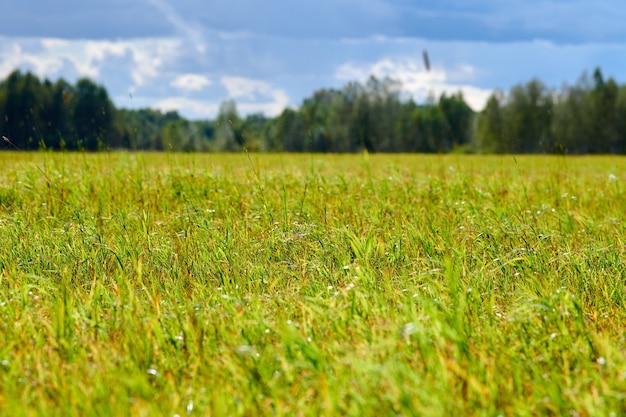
588, 117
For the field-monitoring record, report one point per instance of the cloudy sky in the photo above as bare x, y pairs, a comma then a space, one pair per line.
190, 55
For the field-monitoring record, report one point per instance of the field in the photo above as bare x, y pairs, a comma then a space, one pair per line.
363, 285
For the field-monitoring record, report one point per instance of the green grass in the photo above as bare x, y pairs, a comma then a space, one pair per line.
214, 285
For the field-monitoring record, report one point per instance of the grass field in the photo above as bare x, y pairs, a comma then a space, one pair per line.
215, 285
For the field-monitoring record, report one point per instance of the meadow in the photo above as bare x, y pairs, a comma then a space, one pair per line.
366, 285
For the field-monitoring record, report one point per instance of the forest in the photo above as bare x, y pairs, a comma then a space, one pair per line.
586, 117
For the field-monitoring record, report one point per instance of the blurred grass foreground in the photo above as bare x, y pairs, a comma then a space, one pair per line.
187, 284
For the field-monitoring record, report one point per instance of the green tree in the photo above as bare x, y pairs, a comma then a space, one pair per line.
490, 127
288, 132
252, 131
93, 116
315, 112
601, 121
377, 108
429, 128
186, 136
528, 118
568, 120
22, 109
229, 128
620, 114
144, 127
60, 115
459, 117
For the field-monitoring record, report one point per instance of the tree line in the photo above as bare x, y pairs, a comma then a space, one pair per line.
588, 117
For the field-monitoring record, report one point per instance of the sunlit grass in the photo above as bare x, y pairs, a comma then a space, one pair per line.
147, 284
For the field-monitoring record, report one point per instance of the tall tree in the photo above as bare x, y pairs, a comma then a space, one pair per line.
620, 114
601, 126
60, 115
93, 116
528, 118
459, 117
22, 109
183, 135
568, 120
490, 128
229, 128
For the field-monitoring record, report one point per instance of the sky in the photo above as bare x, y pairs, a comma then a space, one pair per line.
191, 55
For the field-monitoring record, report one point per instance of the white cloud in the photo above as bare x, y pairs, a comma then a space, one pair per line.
197, 109
191, 82
91, 54
273, 108
50, 43
240, 87
152, 54
207, 109
47, 57
147, 55
418, 82
13, 56
254, 91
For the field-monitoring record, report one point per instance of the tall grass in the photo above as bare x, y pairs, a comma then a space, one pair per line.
144, 284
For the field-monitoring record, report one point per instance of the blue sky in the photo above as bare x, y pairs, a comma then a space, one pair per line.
190, 55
